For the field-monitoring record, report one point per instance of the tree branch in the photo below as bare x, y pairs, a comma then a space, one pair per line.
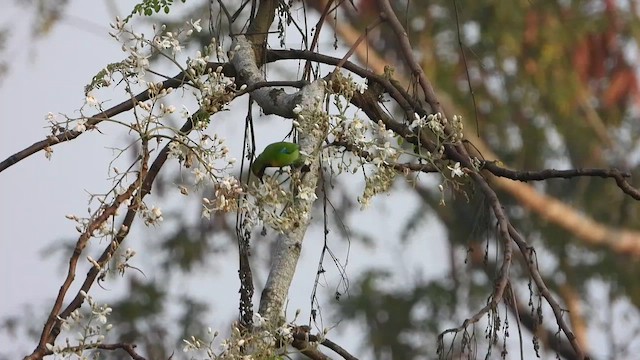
143, 186
312, 133
585, 228
94, 120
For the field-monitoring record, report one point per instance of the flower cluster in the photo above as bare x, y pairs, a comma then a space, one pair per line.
345, 86
151, 216
227, 193
264, 341
379, 182
104, 230
373, 143
438, 124
274, 204
123, 263
93, 327
208, 158
140, 49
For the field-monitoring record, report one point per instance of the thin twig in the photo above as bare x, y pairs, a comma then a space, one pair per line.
527, 252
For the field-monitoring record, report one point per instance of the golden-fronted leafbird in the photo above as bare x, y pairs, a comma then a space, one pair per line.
278, 154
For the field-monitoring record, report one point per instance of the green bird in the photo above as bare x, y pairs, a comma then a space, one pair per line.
278, 154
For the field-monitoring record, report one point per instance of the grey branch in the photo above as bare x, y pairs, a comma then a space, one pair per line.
312, 132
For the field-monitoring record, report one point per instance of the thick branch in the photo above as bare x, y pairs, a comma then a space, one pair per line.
288, 247
259, 28
302, 340
271, 100
277, 101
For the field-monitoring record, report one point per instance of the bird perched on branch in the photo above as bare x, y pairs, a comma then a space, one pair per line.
278, 154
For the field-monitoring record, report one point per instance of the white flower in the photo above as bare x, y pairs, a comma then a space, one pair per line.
91, 100
284, 331
48, 152
175, 149
185, 112
169, 41
196, 25
433, 121
80, 126
456, 170
139, 62
101, 313
156, 212
258, 320
386, 151
362, 87
307, 193
154, 216
297, 109
199, 62
199, 175
418, 121
167, 109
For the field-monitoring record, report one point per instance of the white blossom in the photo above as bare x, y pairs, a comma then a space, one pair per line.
362, 87
50, 118
199, 175
91, 100
80, 126
48, 152
196, 25
258, 320
418, 121
456, 170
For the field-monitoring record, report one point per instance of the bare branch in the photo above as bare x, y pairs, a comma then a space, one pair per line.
529, 256
302, 338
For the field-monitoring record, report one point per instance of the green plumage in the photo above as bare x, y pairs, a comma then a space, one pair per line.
278, 154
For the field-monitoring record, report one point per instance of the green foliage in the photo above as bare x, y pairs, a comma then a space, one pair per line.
145, 299
394, 316
184, 250
151, 7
